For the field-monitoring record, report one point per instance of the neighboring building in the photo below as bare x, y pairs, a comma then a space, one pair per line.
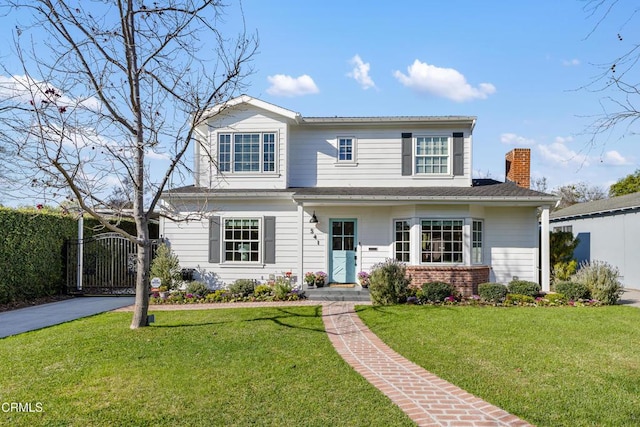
609, 230
287, 193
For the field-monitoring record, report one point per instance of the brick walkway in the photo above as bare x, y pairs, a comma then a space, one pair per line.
425, 398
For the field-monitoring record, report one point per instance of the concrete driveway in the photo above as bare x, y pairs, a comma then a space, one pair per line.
41, 316
630, 297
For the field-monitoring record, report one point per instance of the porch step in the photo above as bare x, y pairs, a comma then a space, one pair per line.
338, 294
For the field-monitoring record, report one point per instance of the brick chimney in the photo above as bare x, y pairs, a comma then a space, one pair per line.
518, 166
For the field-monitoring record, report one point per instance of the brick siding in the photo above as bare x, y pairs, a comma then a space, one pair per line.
465, 279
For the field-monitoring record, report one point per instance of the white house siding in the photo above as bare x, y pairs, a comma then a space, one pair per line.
190, 240
244, 119
373, 235
511, 239
614, 239
313, 158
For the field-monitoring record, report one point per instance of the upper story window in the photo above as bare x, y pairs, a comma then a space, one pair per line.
247, 152
432, 155
346, 149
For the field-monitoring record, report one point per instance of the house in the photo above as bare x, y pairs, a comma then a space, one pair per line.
609, 230
286, 193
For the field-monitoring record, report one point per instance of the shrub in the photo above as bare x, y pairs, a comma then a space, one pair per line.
197, 288
562, 271
573, 291
281, 290
602, 279
243, 287
219, 295
436, 291
519, 299
262, 290
553, 299
388, 282
524, 287
492, 292
166, 267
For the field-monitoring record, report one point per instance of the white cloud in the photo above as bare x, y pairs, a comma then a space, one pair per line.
563, 139
360, 72
513, 139
445, 82
283, 85
614, 158
26, 89
150, 154
558, 153
571, 62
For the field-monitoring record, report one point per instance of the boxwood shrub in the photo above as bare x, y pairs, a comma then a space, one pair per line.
436, 291
524, 287
573, 290
492, 292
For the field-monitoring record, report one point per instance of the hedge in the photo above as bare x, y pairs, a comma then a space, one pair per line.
31, 251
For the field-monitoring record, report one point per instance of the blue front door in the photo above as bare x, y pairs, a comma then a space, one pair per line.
342, 257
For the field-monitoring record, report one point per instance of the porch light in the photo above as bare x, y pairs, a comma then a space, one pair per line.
314, 219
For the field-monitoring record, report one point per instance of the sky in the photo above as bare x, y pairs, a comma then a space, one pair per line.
520, 67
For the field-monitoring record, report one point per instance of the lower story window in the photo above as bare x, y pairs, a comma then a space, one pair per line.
402, 245
476, 242
441, 241
242, 239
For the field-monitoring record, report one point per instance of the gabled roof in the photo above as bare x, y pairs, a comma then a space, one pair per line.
246, 99
465, 121
598, 207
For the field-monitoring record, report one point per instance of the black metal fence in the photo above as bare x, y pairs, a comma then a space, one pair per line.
108, 265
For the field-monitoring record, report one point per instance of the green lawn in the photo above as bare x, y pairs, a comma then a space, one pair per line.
270, 366
571, 366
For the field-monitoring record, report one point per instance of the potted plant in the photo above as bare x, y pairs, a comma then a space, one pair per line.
363, 278
321, 278
310, 278
164, 291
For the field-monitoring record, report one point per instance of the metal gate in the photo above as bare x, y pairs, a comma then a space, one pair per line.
108, 265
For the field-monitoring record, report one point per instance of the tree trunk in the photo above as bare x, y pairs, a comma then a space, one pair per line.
142, 276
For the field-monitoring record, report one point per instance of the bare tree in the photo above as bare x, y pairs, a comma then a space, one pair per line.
109, 87
578, 193
616, 81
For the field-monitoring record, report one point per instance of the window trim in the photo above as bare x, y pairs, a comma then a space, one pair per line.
354, 151
481, 232
461, 222
415, 156
261, 154
223, 241
395, 241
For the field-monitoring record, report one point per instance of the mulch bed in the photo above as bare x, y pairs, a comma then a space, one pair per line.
22, 304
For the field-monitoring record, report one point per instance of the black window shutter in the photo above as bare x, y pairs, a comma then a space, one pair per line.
269, 239
407, 154
214, 239
458, 153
